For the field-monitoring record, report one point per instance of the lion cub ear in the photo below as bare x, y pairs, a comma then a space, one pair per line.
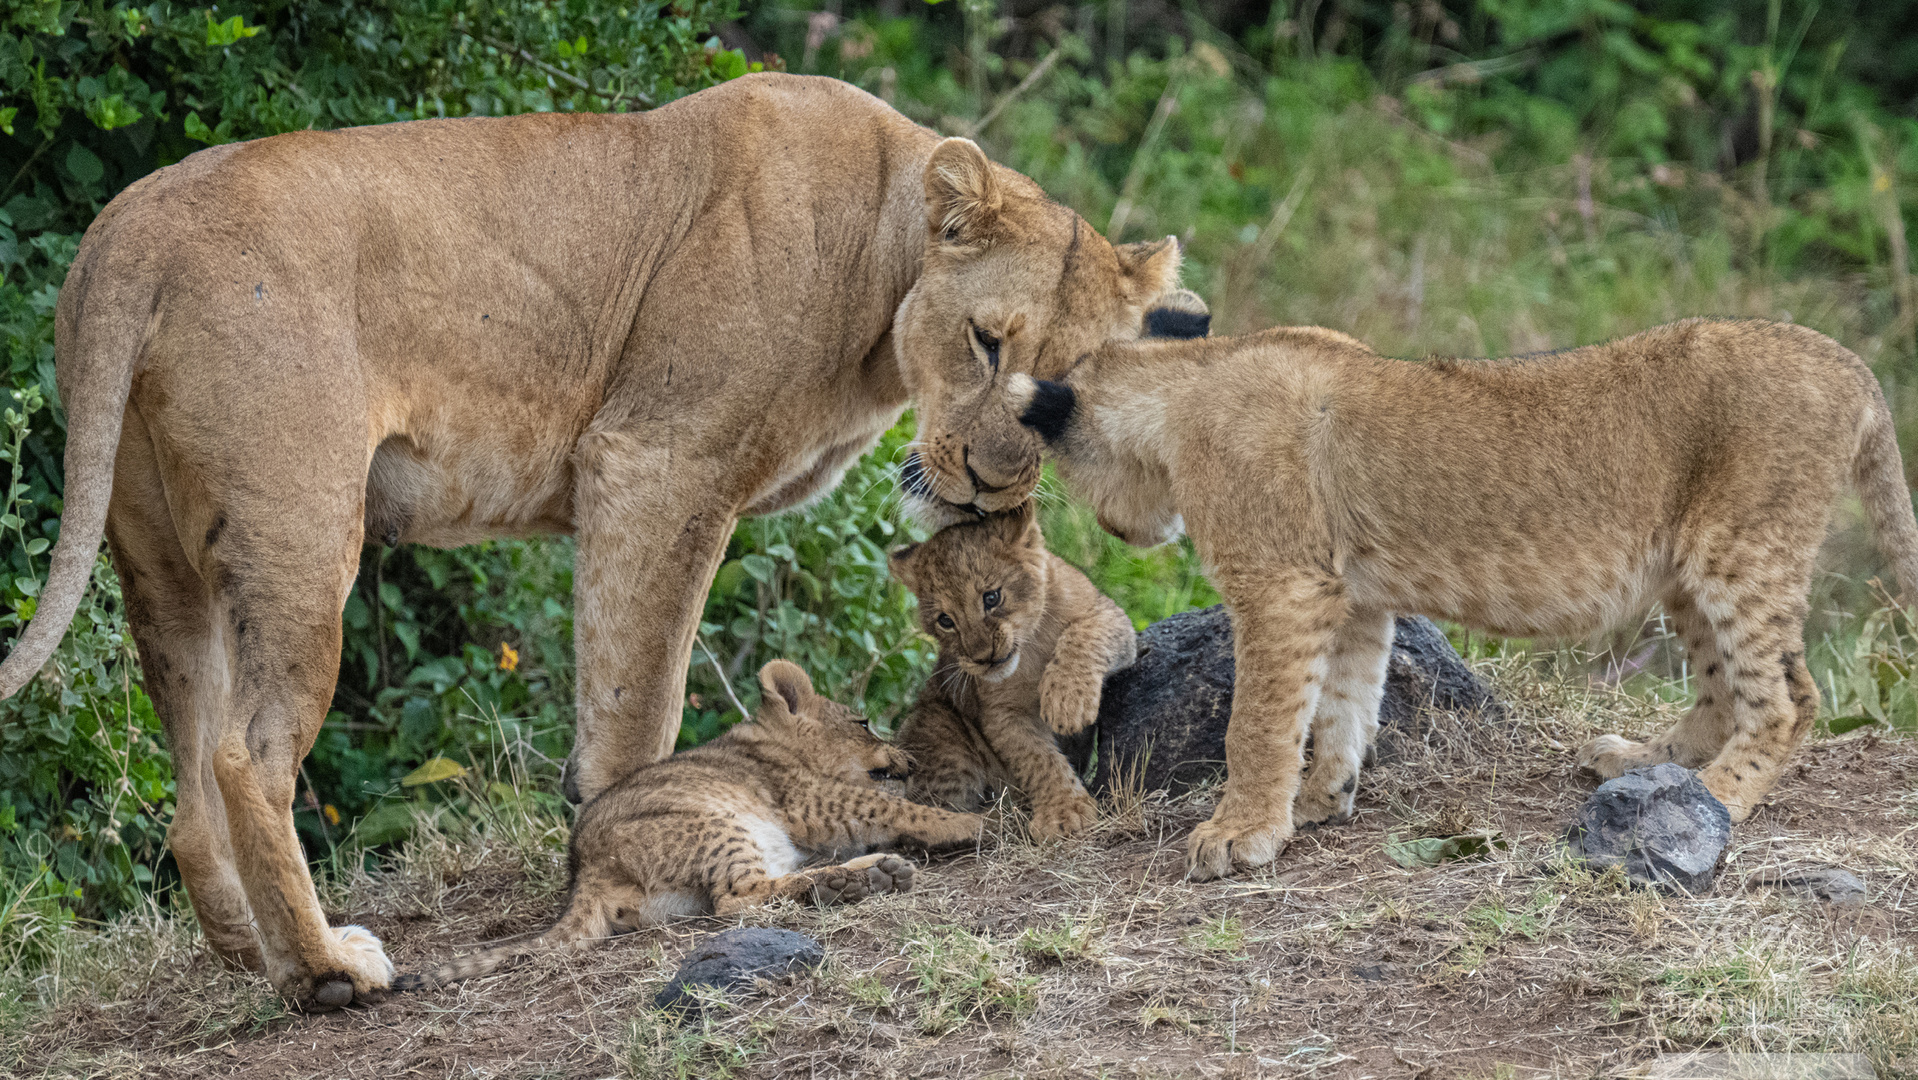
962, 195
1018, 526
788, 689
900, 564
1151, 267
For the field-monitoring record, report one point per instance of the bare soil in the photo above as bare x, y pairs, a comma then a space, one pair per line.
1095, 958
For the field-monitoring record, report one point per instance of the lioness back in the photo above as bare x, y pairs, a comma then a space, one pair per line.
1025, 644
732, 823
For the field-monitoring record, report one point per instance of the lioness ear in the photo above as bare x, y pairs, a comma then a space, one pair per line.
1151, 266
962, 197
1178, 314
1018, 526
788, 688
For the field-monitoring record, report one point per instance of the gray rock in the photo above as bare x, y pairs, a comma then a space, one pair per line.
1660, 823
1840, 888
736, 958
1176, 700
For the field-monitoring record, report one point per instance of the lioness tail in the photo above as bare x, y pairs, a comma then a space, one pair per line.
96, 376
1879, 474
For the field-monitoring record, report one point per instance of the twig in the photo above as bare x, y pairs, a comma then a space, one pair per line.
562, 74
1168, 104
1032, 79
723, 681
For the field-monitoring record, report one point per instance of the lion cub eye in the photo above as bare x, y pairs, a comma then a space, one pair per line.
991, 599
945, 622
988, 342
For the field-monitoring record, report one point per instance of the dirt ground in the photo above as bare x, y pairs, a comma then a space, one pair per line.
1095, 958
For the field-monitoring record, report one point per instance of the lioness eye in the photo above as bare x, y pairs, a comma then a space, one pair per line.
945, 622
992, 599
990, 343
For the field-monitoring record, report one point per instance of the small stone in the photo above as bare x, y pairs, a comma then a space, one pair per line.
1372, 972
1840, 888
334, 995
736, 958
1660, 823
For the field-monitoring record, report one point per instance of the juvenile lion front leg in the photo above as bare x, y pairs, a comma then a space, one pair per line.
1060, 805
1088, 650
1280, 633
652, 526
1347, 717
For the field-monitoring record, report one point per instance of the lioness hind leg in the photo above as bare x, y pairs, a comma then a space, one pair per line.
1699, 735
1347, 718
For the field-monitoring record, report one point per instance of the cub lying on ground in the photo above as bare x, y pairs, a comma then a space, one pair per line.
1327, 487
727, 825
1025, 644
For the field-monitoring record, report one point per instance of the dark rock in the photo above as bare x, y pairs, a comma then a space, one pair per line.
1840, 888
736, 958
1660, 823
1172, 705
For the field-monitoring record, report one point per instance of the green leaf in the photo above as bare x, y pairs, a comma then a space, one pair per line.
36, 545
760, 567
1432, 850
730, 577
6, 118
389, 821
111, 112
1842, 724
85, 165
27, 586
197, 130
439, 768
409, 636
223, 34
729, 64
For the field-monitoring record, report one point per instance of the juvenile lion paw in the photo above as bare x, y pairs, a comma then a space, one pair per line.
1069, 700
1611, 756
1315, 806
1219, 848
1064, 817
869, 875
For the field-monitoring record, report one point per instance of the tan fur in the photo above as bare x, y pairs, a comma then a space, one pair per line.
1326, 488
631, 328
727, 825
1010, 677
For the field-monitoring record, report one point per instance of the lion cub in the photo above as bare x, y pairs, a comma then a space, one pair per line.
1025, 644
1327, 488
728, 825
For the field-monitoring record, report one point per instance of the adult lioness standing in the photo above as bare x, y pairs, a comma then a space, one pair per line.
630, 328
1327, 487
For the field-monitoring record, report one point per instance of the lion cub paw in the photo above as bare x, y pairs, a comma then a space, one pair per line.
1062, 818
1069, 701
1219, 848
869, 875
1611, 756
1315, 807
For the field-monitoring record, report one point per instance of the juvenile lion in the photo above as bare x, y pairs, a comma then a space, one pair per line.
1327, 488
729, 824
1025, 644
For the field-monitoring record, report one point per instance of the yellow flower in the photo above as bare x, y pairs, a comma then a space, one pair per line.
508, 657
332, 814
1880, 182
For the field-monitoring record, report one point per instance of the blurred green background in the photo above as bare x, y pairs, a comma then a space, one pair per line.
1435, 177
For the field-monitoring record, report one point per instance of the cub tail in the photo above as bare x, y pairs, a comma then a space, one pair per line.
584, 922
1879, 475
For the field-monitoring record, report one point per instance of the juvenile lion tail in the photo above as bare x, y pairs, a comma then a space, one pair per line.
583, 923
1879, 474
100, 328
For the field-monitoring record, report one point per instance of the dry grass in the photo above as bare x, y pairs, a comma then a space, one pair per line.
1095, 958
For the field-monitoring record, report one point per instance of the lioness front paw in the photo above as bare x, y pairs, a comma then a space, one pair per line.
1218, 848
359, 969
1611, 756
1315, 806
868, 875
1064, 817
1069, 701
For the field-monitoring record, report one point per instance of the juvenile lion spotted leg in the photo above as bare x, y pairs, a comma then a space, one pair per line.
1060, 805
1281, 628
1698, 735
846, 883
652, 526
1088, 650
1347, 718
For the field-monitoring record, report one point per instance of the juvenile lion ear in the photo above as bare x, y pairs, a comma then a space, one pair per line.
1018, 526
900, 565
962, 196
788, 688
1151, 267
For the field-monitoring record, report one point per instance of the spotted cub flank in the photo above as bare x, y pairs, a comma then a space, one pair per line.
730, 824
1025, 644
1327, 488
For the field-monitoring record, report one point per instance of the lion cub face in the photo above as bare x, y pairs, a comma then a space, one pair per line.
982, 589
830, 738
1012, 282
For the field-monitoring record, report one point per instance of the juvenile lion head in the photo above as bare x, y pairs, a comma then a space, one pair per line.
1013, 283
981, 587
832, 738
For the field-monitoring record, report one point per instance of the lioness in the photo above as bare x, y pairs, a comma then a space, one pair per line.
1025, 644
1327, 488
631, 328
728, 825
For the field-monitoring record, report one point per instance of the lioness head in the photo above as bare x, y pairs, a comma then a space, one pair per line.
981, 586
1099, 424
1012, 283
832, 738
